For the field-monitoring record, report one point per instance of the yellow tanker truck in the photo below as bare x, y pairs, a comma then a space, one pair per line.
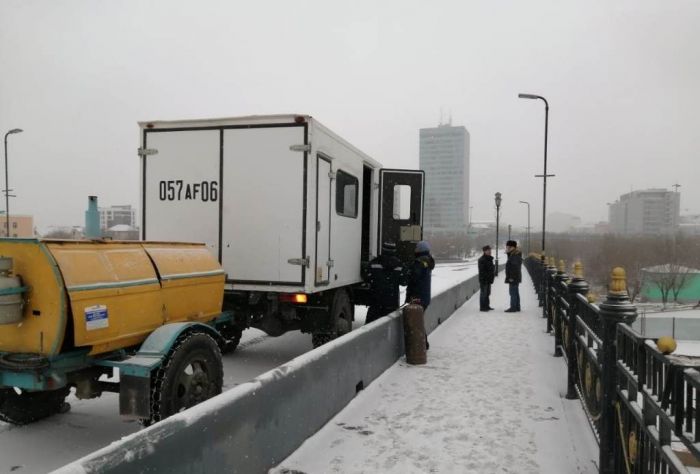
74, 312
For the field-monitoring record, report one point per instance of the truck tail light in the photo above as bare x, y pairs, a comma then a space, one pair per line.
297, 298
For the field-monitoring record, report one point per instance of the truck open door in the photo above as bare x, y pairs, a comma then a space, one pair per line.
401, 209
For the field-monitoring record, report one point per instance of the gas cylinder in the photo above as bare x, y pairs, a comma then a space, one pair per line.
414, 334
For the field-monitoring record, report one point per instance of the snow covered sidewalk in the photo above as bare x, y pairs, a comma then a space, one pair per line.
490, 400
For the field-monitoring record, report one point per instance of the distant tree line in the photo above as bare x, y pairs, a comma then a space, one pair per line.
673, 256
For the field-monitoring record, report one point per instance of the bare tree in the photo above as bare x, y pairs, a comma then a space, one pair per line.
682, 279
670, 279
662, 278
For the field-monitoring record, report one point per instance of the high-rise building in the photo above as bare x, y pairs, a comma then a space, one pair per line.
444, 156
649, 211
116, 215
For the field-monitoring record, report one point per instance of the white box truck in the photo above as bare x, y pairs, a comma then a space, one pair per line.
291, 210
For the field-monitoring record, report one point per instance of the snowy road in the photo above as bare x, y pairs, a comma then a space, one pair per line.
92, 424
490, 400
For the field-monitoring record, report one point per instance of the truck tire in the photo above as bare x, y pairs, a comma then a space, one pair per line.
339, 320
27, 407
191, 373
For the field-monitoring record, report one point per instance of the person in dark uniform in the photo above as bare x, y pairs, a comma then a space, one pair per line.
487, 272
513, 274
419, 281
386, 273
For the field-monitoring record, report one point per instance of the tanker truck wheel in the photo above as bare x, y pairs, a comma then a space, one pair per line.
340, 320
20, 408
191, 373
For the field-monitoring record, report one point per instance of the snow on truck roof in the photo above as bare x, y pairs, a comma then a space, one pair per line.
253, 120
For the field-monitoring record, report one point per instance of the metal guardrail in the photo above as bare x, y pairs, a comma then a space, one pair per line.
642, 404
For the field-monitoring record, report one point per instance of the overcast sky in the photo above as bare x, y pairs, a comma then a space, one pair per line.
622, 79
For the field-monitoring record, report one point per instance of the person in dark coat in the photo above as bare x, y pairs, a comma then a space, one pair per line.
419, 281
514, 274
487, 272
386, 273
420, 276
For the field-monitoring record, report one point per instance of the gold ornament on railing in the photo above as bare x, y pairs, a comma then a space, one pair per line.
578, 269
618, 283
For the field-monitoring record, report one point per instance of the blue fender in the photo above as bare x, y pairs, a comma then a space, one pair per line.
160, 341
155, 348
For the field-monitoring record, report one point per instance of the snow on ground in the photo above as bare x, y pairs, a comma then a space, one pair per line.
490, 400
93, 424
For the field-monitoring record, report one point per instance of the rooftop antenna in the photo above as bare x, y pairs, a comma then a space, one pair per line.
676, 186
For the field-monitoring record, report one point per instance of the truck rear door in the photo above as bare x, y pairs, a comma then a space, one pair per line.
401, 208
264, 212
240, 189
181, 190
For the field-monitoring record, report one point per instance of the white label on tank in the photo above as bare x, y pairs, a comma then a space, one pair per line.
96, 317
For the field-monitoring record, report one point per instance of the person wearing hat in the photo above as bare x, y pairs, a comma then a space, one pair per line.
386, 273
419, 281
420, 276
487, 272
513, 274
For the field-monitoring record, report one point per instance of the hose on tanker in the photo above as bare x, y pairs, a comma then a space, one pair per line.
23, 361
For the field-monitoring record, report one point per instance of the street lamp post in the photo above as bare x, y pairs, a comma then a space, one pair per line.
544, 176
7, 186
528, 225
498, 212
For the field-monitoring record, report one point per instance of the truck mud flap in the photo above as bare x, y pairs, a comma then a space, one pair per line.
135, 396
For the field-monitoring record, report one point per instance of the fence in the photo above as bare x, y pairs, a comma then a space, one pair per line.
641, 403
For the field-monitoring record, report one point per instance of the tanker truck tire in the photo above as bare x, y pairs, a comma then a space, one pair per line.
340, 320
191, 373
27, 407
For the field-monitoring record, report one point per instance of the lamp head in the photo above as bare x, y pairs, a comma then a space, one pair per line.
498, 199
528, 96
15, 130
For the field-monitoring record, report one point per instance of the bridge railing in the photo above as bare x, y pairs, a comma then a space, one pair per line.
641, 402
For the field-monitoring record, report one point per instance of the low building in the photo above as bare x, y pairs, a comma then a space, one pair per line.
122, 232
690, 224
562, 222
117, 215
21, 226
649, 211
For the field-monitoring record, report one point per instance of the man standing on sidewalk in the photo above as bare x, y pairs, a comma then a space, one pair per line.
487, 272
513, 275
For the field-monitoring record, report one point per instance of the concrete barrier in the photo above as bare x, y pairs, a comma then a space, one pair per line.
256, 425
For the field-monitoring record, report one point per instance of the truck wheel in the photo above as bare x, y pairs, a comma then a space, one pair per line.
27, 407
340, 320
231, 338
191, 373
